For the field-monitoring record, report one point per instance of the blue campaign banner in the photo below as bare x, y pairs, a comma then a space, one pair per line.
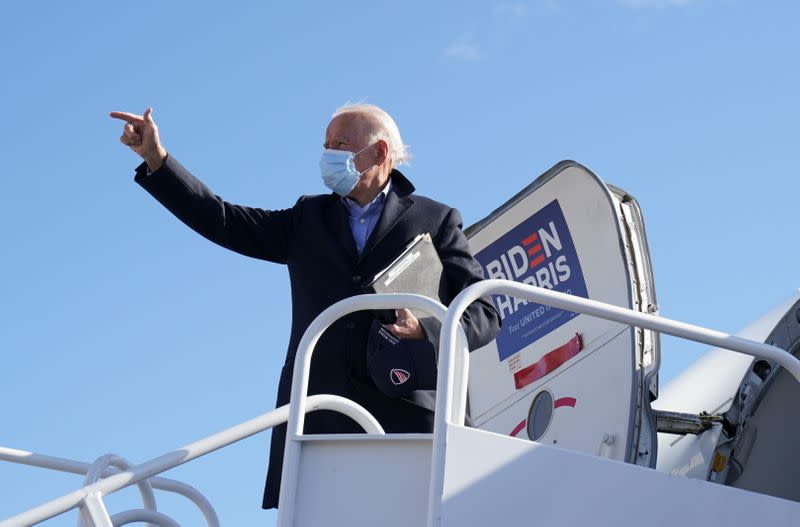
538, 251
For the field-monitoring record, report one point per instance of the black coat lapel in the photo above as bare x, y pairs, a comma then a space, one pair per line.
393, 211
339, 226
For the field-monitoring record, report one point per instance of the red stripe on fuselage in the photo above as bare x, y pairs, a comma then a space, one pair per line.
549, 363
518, 428
564, 401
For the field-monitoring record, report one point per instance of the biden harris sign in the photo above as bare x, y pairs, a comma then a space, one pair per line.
539, 251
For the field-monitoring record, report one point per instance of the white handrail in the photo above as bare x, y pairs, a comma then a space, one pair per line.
302, 366
446, 404
187, 453
78, 467
449, 409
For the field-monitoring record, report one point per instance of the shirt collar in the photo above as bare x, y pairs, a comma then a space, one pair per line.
354, 207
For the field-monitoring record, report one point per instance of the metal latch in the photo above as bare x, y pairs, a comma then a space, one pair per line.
682, 424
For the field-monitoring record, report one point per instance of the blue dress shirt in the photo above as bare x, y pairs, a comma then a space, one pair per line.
363, 219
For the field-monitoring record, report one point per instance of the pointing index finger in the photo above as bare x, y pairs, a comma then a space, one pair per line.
125, 116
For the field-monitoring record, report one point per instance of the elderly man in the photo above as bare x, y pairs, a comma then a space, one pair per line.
332, 244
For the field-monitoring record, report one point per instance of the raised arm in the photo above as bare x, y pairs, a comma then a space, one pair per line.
263, 234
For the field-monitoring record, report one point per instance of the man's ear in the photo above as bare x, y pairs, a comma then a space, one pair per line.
382, 152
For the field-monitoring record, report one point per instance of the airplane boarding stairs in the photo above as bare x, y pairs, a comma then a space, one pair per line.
457, 475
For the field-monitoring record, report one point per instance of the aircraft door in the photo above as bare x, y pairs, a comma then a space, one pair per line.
557, 377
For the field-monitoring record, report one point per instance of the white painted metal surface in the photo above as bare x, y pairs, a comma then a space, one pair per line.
364, 481
580, 428
516, 482
93, 511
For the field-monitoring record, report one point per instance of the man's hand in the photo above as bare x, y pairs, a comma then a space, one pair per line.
406, 326
141, 134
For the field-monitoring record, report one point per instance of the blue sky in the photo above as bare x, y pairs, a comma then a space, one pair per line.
122, 331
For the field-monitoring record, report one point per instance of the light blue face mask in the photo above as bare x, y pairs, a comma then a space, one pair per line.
338, 168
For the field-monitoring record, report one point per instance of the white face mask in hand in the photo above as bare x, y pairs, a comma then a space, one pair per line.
338, 168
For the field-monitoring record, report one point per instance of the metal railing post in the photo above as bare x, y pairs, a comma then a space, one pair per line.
93, 511
302, 366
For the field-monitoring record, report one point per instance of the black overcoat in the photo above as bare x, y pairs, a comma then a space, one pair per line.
314, 240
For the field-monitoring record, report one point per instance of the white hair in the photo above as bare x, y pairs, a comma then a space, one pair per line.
386, 129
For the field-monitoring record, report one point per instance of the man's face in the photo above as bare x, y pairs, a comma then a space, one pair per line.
348, 132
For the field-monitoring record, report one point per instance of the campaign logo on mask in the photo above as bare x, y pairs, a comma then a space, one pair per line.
539, 251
